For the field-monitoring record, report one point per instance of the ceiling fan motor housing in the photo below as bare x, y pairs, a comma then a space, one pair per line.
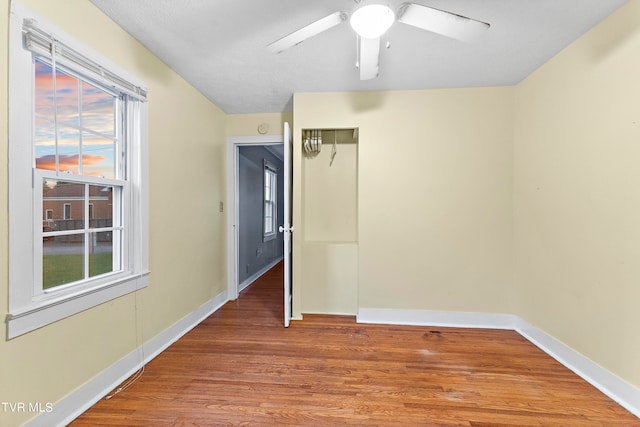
372, 20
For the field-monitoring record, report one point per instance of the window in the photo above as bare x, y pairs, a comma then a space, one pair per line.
67, 206
77, 138
270, 208
77, 129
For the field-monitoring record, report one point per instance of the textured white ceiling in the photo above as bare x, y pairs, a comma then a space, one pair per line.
219, 45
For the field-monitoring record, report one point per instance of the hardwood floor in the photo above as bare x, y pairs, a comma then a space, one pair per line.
241, 367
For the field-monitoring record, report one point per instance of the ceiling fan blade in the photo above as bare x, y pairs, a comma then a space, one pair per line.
307, 31
368, 57
441, 22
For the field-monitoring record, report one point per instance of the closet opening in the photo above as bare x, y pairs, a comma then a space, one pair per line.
329, 221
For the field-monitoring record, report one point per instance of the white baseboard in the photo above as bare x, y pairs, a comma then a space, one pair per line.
436, 318
618, 390
73, 405
255, 276
615, 388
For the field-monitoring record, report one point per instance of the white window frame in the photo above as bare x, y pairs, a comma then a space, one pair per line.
28, 309
271, 169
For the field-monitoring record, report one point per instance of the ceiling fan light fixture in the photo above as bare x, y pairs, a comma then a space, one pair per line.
372, 21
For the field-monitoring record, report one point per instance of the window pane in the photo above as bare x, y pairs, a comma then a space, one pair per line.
98, 110
98, 155
98, 137
268, 217
67, 98
68, 149
62, 260
267, 184
44, 89
267, 225
269, 214
65, 202
100, 253
101, 197
45, 143
44, 132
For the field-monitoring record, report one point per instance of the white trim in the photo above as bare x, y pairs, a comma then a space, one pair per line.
255, 139
76, 403
233, 143
255, 276
41, 314
436, 318
614, 387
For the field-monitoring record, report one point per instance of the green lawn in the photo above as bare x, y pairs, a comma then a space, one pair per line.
62, 269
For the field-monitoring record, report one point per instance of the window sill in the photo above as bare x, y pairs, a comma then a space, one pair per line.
42, 313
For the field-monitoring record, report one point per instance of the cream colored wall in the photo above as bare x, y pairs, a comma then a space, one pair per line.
330, 278
577, 204
247, 124
434, 195
187, 238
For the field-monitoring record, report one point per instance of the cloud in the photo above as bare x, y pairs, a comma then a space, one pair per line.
67, 162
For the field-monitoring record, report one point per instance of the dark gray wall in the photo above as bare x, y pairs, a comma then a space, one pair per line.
253, 253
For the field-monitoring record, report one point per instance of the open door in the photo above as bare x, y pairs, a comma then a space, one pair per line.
286, 228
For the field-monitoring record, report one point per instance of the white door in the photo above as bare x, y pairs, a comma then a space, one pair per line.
286, 228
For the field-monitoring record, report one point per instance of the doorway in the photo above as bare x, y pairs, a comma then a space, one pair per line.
260, 210
250, 252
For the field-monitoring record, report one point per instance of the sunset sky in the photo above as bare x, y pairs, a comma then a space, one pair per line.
85, 117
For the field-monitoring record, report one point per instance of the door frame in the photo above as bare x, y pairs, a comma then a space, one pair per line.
233, 145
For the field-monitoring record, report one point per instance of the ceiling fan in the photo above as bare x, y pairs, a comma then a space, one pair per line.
371, 20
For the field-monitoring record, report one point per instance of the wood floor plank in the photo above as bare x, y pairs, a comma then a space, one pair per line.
241, 367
